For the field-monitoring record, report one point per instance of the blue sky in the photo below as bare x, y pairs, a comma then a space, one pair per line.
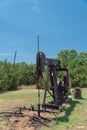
61, 25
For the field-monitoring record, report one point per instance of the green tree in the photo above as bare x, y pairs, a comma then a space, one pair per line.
77, 66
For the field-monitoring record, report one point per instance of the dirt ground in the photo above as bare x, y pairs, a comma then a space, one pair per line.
24, 121
27, 120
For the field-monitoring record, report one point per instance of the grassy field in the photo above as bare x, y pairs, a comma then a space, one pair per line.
22, 97
73, 117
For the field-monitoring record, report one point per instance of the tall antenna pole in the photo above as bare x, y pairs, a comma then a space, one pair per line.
15, 56
38, 86
38, 42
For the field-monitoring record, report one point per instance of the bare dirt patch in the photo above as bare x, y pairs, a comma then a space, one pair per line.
27, 120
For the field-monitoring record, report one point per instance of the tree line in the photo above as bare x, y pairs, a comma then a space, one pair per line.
14, 75
77, 66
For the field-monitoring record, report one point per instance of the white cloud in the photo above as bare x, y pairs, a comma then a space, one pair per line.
35, 5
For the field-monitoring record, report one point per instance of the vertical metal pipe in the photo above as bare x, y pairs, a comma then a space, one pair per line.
38, 102
38, 84
15, 57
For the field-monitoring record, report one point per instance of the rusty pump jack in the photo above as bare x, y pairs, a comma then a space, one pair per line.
57, 90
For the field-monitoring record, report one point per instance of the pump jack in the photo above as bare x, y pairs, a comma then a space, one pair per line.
58, 90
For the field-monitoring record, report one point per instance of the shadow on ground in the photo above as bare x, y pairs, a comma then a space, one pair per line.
68, 111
